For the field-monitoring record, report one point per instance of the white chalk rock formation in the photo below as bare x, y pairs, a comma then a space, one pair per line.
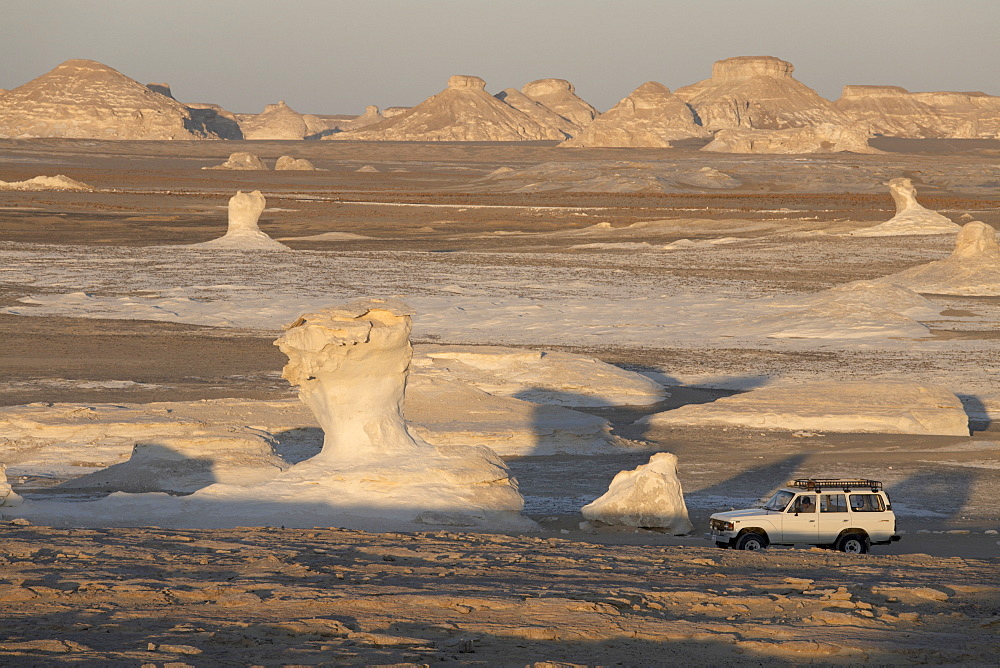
871, 406
371, 116
287, 162
187, 463
651, 116
241, 160
822, 138
277, 121
553, 378
972, 115
758, 92
389, 112
243, 233
162, 89
648, 496
8, 497
368, 169
972, 269
911, 217
216, 120
448, 412
57, 182
85, 99
350, 364
462, 112
560, 96
891, 111
558, 127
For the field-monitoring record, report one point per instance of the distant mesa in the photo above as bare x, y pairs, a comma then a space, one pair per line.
896, 112
243, 232
560, 96
972, 269
557, 126
216, 120
85, 99
911, 217
57, 182
241, 160
822, 138
287, 162
389, 112
758, 92
651, 116
371, 116
464, 111
276, 122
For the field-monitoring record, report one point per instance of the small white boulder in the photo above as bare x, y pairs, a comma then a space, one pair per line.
649, 496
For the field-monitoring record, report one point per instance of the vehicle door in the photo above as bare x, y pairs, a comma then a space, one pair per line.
833, 517
798, 524
869, 512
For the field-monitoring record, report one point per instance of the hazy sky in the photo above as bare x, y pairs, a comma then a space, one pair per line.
332, 56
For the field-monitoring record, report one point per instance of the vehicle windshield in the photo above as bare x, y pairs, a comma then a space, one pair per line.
779, 501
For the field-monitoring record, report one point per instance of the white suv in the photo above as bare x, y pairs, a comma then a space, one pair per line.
848, 515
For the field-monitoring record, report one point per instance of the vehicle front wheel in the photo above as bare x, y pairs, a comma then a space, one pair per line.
751, 541
854, 543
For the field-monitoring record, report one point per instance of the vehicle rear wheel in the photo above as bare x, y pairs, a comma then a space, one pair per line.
854, 543
751, 541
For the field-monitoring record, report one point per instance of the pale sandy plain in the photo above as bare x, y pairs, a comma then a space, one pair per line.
97, 309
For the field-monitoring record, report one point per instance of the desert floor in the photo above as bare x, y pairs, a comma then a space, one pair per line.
100, 305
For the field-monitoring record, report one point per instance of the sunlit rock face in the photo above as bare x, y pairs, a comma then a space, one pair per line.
243, 232
276, 122
647, 496
558, 127
464, 111
651, 116
758, 92
8, 497
85, 99
560, 96
287, 162
891, 111
911, 218
822, 138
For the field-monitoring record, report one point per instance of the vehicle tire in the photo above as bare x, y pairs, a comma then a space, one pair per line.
751, 541
854, 543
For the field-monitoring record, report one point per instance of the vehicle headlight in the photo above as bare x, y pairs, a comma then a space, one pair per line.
722, 525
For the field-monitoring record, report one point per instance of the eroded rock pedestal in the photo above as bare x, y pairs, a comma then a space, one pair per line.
911, 217
243, 233
350, 364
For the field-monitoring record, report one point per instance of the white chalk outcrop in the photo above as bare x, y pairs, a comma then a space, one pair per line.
648, 496
371, 116
871, 406
560, 96
542, 377
8, 497
821, 138
758, 92
462, 112
287, 162
276, 122
243, 233
88, 100
242, 160
911, 217
216, 120
973, 268
557, 126
350, 364
189, 462
57, 182
651, 116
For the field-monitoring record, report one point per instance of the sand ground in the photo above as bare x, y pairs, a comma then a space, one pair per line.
566, 595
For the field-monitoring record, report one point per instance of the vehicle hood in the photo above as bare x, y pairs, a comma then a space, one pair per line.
747, 513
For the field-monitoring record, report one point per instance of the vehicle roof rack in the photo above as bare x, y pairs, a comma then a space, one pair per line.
819, 484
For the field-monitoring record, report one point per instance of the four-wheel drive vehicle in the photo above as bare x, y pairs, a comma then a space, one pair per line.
849, 515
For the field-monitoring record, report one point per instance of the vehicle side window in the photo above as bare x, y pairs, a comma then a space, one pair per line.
833, 503
867, 503
804, 504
